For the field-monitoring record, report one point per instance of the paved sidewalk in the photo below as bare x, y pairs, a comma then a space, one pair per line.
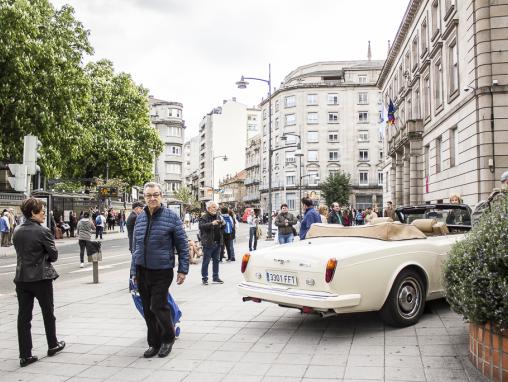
225, 339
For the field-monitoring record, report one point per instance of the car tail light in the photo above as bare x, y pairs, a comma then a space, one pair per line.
307, 309
330, 269
245, 261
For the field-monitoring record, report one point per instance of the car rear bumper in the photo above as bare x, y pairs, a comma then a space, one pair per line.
298, 298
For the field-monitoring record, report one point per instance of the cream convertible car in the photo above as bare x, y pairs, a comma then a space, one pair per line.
390, 267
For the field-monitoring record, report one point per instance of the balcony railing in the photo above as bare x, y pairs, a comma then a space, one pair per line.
251, 197
249, 181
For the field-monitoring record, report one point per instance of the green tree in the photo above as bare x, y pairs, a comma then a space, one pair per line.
336, 188
120, 137
184, 194
42, 83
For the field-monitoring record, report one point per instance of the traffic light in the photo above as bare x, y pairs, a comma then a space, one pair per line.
19, 181
31, 154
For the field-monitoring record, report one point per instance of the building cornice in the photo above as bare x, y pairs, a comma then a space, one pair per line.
407, 20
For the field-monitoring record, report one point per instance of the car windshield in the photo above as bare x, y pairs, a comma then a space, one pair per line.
450, 214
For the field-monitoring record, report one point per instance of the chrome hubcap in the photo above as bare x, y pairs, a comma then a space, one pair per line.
409, 298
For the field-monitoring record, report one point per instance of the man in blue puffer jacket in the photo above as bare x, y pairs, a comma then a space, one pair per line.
158, 231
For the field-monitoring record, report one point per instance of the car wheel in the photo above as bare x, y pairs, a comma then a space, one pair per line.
406, 301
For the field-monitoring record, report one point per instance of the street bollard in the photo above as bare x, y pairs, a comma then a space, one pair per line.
94, 253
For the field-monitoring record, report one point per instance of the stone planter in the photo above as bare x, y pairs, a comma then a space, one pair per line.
488, 351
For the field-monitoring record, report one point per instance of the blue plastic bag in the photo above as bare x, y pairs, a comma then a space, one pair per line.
176, 313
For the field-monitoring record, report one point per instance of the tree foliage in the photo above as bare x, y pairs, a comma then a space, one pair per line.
42, 84
87, 117
336, 188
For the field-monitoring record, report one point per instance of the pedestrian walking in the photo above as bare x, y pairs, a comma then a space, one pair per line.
389, 211
35, 251
335, 217
73, 222
323, 213
229, 233
100, 223
253, 222
4, 228
157, 232
85, 229
211, 232
121, 220
285, 222
137, 208
310, 216
369, 215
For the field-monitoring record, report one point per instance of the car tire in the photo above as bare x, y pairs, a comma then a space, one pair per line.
406, 301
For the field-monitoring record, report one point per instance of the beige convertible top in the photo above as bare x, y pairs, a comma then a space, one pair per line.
382, 231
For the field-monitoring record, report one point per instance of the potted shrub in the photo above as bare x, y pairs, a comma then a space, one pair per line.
476, 285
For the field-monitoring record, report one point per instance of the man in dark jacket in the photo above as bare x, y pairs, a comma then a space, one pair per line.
137, 208
35, 250
210, 230
158, 231
335, 217
310, 216
285, 221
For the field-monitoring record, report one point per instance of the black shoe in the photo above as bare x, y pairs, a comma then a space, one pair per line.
166, 349
27, 361
205, 282
56, 349
150, 352
218, 281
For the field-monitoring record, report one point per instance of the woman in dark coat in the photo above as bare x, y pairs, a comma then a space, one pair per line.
35, 251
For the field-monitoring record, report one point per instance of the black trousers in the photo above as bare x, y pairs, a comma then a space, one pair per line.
82, 247
43, 292
153, 285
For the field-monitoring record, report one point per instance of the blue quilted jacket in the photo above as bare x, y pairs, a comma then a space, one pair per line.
155, 239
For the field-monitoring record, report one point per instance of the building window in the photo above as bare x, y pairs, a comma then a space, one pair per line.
265, 113
381, 155
363, 98
312, 136
290, 101
173, 168
174, 131
363, 136
290, 119
333, 172
453, 69
312, 99
364, 155
454, 147
333, 136
290, 139
364, 178
291, 201
424, 39
435, 18
333, 155
333, 99
362, 79
174, 150
290, 156
380, 178
312, 118
277, 122
414, 53
417, 113
312, 156
290, 178
333, 117
277, 106
313, 178
438, 154
426, 97
363, 117
438, 84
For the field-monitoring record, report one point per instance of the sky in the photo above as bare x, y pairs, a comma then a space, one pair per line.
193, 51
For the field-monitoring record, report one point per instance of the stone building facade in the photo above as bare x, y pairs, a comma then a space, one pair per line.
252, 168
333, 110
232, 191
167, 118
447, 75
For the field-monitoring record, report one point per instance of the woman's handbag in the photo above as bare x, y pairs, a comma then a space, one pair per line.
259, 232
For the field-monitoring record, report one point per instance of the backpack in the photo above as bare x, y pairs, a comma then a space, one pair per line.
359, 216
98, 220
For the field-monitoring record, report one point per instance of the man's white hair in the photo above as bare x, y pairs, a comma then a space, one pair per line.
210, 203
150, 185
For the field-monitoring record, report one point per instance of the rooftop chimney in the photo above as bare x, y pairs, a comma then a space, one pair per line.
369, 53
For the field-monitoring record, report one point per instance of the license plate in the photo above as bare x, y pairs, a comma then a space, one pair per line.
281, 278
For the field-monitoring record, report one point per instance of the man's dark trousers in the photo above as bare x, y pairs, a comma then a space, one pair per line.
98, 231
228, 245
153, 285
210, 252
43, 292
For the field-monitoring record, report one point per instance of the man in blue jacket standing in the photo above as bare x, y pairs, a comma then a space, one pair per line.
158, 231
310, 216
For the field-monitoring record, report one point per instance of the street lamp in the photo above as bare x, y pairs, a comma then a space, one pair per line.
224, 158
242, 84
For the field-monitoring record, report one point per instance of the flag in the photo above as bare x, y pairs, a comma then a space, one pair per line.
391, 113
